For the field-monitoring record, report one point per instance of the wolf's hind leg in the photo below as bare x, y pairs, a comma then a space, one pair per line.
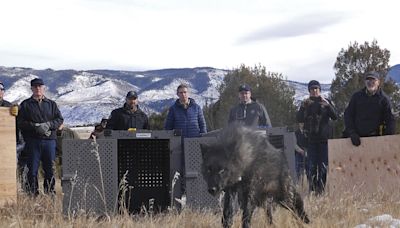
268, 208
299, 208
293, 202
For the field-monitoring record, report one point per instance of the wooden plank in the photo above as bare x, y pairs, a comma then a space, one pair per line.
5, 172
8, 175
372, 167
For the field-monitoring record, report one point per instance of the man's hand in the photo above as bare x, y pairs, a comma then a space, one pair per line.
324, 101
14, 110
355, 139
43, 128
300, 151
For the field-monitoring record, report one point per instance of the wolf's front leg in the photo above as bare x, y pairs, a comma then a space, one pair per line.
227, 214
248, 208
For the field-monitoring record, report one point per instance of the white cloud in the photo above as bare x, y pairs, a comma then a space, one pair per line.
297, 38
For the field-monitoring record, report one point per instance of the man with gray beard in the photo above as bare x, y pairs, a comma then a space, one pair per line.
369, 112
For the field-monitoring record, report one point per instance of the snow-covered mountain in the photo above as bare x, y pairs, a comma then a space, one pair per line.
84, 97
302, 90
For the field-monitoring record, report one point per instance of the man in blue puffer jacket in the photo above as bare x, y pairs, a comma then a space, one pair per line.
186, 115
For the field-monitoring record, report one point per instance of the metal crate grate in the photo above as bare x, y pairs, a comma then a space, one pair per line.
196, 187
147, 163
86, 192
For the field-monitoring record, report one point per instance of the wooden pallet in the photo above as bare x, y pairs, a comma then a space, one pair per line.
372, 167
8, 167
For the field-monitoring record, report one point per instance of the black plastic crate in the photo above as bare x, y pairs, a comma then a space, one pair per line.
148, 164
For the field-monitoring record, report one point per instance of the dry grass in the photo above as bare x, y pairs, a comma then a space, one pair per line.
330, 210
342, 210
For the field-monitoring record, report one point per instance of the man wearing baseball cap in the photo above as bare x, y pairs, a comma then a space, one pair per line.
249, 111
369, 112
128, 116
39, 118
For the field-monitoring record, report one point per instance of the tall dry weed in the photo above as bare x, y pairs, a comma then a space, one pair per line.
329, 210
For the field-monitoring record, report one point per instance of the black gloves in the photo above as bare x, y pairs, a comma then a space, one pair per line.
355, 139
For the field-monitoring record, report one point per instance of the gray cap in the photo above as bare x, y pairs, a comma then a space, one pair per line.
372, 74
244, 87
37, 81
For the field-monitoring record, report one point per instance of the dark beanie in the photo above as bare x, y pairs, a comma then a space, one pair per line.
313, 83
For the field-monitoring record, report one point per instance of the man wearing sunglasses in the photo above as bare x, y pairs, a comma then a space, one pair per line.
249, 111
369, 112
128, 116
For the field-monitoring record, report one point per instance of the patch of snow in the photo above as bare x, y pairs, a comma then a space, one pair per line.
384, 220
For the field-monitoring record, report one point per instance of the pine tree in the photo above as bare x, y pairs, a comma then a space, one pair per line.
156, 120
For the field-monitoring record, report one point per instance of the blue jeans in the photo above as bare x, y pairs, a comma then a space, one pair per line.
300, 162
41, 150
317, 166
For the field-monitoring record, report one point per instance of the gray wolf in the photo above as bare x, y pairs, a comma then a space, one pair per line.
242, 161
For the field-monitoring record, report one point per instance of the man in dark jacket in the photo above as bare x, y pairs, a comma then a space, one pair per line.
315, 113
186, 115
300, 155
39, 118
368, 110
3, 103
249, 111
129, 116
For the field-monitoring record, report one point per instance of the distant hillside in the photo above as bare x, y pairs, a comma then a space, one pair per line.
84, 97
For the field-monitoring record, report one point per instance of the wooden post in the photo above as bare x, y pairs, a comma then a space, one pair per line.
372, 167
8, 155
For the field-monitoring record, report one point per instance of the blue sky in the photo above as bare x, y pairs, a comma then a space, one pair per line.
300, 39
